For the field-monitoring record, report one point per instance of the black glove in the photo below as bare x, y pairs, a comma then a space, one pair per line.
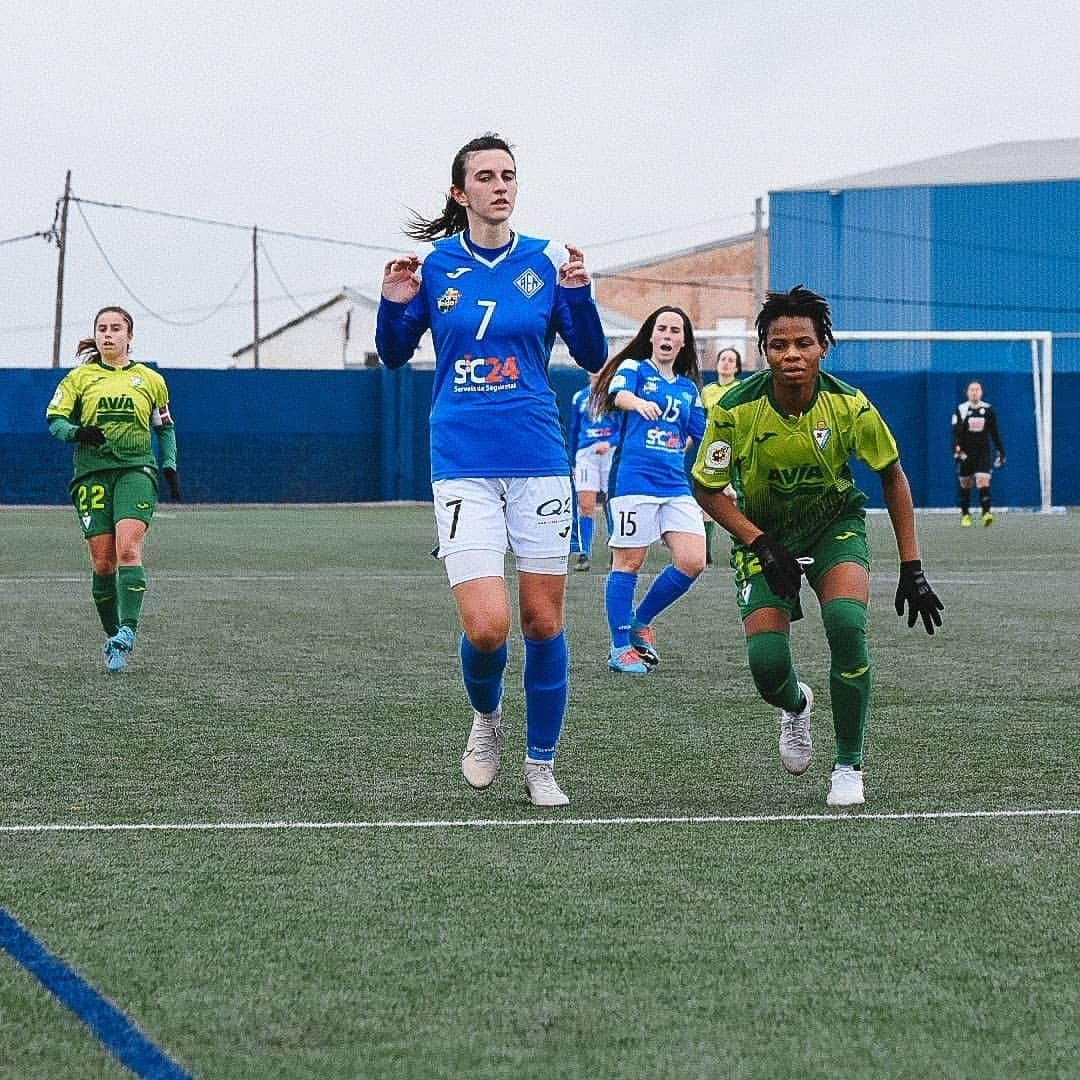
781, 570
90, 436
959, 455
174, 483
1000, 459
914, 590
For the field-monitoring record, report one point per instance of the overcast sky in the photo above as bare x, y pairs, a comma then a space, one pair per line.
332, 118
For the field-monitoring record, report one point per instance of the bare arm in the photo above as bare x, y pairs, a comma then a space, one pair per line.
722, 509
897, 494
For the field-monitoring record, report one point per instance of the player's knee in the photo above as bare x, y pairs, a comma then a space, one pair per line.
769, 655
691, 566
845, 629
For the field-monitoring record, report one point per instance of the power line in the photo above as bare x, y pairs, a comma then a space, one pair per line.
666, 232
237, 225
48, 235
720, 287
142, 303
30, 328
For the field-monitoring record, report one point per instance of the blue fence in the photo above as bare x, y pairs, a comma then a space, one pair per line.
359, 436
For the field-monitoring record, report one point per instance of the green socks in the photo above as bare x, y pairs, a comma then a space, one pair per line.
103, 590
770, 664
130, 589
850, 676
850, 673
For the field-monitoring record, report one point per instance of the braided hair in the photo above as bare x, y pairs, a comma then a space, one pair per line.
799, 302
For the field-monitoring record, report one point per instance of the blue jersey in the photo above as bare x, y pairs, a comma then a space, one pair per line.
493, 322
585, 429
650, 457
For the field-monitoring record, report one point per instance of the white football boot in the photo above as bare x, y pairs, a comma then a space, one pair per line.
796, 748
480, 762
542, 786
845, 787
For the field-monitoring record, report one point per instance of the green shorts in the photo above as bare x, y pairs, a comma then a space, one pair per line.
102, 499
844, 541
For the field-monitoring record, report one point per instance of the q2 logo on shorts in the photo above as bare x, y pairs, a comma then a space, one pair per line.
553, 508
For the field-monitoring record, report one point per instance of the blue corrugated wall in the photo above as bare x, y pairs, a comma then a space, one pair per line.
358, 436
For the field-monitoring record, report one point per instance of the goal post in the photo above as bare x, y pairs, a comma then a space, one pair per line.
1042, 371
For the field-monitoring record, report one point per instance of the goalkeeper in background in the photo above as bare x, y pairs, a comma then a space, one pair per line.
782, 440
974, 426
106, 406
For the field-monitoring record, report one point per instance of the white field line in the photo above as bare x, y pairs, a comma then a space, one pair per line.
526, 823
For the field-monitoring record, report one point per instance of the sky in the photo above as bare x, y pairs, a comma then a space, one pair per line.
639, 129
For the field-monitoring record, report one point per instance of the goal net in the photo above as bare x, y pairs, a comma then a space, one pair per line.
918, 377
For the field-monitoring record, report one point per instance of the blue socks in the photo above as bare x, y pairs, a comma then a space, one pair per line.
586, 526
669, 585
482, 673
619, 602
547, 667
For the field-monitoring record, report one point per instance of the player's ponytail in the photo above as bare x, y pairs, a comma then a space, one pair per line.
453, 219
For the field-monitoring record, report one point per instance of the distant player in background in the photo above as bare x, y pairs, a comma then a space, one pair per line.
494, 300
592, 440
107, 406
728, 370
654, 381
783, 440
974, 427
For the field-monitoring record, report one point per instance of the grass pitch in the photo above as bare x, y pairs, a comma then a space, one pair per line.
300, 665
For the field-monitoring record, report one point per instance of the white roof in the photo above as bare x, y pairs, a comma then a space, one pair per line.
1000, 163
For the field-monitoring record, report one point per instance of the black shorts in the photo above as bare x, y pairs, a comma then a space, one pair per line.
977, 461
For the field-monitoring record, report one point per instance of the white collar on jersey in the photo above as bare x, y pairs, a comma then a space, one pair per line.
480, 258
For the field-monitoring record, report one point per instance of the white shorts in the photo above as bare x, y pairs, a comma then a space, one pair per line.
640, 520
530, 515
591, 470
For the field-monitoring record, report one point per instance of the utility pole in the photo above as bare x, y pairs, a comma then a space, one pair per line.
255, 296
61, 241
759, 255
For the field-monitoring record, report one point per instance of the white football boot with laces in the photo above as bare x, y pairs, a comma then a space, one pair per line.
796, 748
542, 786
845, 787
480, 762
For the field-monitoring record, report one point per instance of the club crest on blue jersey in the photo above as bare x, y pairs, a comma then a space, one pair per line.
448, 300
529, 282
822, 434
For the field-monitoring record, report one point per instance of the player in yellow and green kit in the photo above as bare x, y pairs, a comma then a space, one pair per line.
780, 443
728, 370
107, 406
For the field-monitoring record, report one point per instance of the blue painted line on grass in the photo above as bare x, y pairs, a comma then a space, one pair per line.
113, 1029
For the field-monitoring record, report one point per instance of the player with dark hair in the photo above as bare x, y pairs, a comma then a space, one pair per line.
493, 301
655, 383
782, 439
974, 427
728, 370
107, 406
592, 442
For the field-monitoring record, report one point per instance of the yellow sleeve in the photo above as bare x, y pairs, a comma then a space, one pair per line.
874, 442
65, 398
712, 468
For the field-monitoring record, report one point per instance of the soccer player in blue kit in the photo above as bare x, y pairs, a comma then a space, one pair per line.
655, 382
493, 301
592, 440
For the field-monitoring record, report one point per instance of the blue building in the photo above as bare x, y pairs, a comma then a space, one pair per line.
982, 240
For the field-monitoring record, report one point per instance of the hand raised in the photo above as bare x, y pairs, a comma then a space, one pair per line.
400, 281
572, 273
